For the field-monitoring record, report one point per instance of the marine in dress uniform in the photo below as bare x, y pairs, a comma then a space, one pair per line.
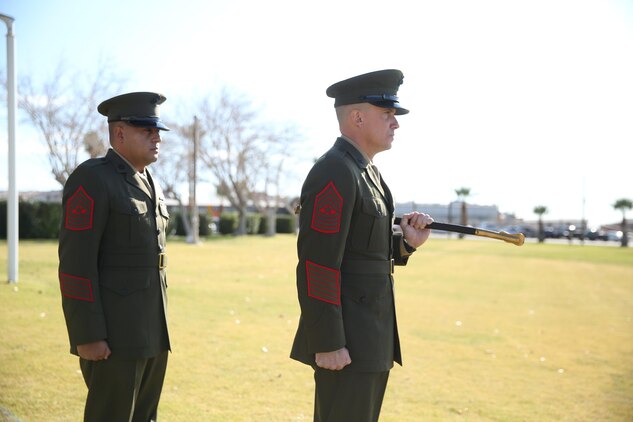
347, 249
112, 265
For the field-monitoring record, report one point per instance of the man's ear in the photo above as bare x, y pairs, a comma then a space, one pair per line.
118, 133
357, 117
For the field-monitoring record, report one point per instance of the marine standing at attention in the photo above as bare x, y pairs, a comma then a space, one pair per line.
347, 248
112, 266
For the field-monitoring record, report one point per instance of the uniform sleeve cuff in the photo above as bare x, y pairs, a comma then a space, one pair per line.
410, 249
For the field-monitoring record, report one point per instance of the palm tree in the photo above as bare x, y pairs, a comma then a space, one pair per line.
623, 205
462, 193
540, 210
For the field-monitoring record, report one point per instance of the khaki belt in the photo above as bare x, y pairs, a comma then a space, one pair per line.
134, 260
367, 267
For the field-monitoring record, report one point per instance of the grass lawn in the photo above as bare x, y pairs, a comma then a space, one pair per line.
489, 331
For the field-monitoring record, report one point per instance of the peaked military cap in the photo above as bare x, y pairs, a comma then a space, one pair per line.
378, 88
135, 108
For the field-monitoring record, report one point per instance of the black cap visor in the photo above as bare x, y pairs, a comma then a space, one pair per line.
390, 104
385, 101
145, 122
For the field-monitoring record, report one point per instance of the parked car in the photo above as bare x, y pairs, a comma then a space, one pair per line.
595, 234
614, 235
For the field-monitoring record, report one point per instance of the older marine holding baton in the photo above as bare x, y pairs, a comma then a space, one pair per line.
347, 248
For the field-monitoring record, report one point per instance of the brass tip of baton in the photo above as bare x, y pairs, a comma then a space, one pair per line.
514, 238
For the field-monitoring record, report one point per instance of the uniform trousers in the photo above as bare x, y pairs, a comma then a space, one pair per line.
123, 390
347, 396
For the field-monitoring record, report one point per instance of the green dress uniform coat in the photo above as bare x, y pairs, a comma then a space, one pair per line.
347, 248
111, 259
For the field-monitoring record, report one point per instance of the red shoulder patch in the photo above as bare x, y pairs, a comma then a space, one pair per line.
76, 287
323, 283
79, 210
326, 216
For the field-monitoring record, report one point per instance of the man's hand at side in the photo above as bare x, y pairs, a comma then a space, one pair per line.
98, 350
335, 360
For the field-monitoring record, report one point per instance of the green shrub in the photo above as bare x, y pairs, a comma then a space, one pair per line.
3, 220
263, 224
174, 223
204, 223
177, 225
46, 220
228, 223
286, 224
36, 220
253, 223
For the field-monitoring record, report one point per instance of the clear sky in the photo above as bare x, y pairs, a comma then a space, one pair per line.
525, 102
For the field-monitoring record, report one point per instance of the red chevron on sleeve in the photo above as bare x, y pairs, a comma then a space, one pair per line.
326, 216
74, 287
323, 283
79, 211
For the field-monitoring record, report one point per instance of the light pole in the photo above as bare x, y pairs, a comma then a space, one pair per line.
12, 197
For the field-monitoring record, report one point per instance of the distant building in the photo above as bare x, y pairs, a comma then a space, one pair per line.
32, 196
478, 215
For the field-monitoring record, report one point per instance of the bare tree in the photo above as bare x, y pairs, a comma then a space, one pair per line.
244, 155
271, 197
173, 168
95, 144
64, 110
